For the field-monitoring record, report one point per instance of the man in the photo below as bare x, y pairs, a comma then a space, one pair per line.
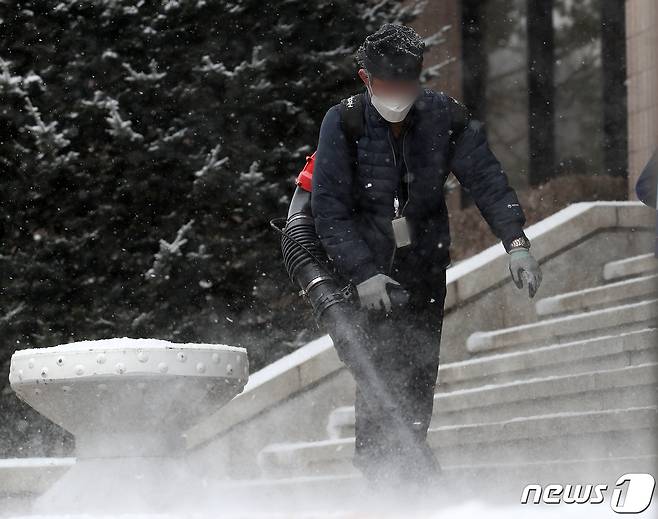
384, 222
646, 187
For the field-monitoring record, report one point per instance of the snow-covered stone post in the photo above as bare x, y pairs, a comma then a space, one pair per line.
127, 401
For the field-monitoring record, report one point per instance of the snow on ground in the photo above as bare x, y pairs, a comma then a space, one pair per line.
469, 510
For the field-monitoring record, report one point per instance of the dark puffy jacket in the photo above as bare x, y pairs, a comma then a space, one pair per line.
353, 211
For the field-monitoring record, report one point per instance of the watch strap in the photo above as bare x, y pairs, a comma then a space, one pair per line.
521, 241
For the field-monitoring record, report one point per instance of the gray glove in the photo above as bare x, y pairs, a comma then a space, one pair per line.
372, 292
522, 265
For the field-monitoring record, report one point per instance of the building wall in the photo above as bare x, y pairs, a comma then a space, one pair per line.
641, 23
642, 60
579, 96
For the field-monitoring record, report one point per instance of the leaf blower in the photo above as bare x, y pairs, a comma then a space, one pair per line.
305, 259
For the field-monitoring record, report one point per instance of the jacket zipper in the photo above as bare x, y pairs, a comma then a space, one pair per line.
390, 143
406, 162
404, 138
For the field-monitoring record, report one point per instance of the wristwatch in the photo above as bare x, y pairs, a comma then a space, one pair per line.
521, 241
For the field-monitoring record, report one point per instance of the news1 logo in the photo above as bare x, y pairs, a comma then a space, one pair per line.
636, 498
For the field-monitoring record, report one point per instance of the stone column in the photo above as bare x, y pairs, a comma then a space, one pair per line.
641, 55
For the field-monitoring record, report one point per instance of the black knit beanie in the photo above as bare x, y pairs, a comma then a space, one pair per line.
393, 52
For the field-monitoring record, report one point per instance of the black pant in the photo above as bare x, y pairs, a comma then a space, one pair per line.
403, 349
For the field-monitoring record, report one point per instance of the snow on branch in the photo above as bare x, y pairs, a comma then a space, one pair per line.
217, 68
45, 133
153, 75
118, 126
170, 136
168, 251
434, 70
7, 318
212, 163
337, 52
438, 37
170, 5
253, 176
220, 68
8, 83
401, 13
32, 77
48, 140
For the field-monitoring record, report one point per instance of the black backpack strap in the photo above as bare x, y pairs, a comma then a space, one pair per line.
352, 121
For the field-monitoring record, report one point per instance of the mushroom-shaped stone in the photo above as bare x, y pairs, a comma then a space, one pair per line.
127, 401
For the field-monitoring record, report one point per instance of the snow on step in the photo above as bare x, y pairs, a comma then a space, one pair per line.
634, 266
508, 478
634, 288
499, 482
567, 435
553, 436
644, 312
634, 347
20, 475
599, 390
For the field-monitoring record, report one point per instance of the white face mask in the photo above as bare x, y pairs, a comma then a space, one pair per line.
393, 109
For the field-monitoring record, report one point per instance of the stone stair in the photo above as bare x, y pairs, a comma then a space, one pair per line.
617, 388
633, 266
547, 437
596, 353
573, 393
559, 329
628, 290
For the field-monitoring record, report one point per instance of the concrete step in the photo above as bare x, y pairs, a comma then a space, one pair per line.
627, 290
560, 436
634, 266
605, 352
634, 386
345, 495
500, 483
560, 329
31, 475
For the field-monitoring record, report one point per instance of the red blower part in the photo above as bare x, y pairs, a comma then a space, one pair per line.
305, 175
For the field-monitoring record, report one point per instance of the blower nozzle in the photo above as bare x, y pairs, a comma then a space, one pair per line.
306, 261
